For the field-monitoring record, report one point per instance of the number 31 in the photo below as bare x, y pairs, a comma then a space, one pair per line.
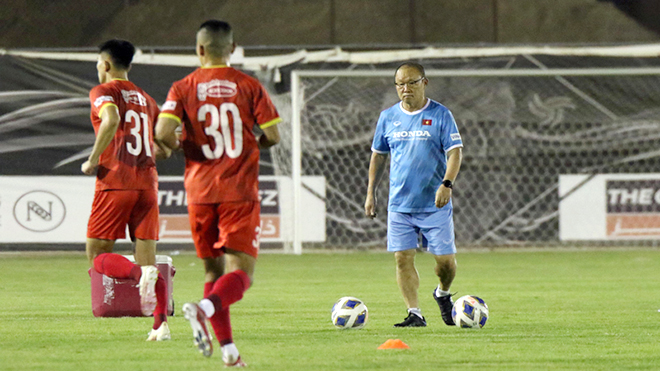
141, 121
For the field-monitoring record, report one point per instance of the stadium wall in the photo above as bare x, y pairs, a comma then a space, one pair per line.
50, 24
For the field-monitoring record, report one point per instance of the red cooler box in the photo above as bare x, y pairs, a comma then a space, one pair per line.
119, 297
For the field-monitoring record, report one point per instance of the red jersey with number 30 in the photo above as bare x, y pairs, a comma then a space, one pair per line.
218, 107
127, 162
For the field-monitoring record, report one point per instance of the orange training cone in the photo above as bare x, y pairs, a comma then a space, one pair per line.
394, 344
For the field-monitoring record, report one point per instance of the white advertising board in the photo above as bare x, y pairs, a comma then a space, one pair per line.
609, 207
55, 209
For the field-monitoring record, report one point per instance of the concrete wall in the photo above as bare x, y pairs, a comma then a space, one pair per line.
75, 23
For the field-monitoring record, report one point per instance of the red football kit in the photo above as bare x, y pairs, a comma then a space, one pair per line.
126, 180
218, 107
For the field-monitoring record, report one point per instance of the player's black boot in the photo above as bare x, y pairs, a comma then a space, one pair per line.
446, 305
412, 320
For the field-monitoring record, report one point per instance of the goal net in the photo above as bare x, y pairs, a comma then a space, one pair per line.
522, 129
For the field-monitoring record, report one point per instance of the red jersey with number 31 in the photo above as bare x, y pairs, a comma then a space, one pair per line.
127, 162
218, 107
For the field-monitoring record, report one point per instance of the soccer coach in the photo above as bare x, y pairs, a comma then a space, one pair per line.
426, 148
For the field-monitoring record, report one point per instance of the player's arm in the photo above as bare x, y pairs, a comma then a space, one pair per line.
166, 137
270, 137
265, 115
376, 171
454, 159
109, 123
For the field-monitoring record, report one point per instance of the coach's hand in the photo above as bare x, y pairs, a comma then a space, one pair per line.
89, 168
370, 207
442, 196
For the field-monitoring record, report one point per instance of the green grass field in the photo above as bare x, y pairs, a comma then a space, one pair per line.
549, 310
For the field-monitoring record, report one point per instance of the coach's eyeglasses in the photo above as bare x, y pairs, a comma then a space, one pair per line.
410, 84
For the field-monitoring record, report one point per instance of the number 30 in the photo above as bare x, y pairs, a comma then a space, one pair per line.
219, 122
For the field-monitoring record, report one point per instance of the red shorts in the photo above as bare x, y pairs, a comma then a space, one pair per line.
231, 225
112, 210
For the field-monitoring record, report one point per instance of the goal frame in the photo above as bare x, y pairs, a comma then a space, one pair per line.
297, 103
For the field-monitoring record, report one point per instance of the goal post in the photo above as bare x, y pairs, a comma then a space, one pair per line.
523, 129
296, 161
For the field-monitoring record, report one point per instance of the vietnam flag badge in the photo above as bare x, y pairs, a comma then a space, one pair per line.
427, 122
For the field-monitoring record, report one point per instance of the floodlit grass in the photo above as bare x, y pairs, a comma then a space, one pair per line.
549, 310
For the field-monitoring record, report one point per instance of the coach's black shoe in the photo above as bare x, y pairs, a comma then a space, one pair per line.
446, 305
412, 320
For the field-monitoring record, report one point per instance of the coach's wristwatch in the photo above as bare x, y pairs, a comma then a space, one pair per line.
447, 183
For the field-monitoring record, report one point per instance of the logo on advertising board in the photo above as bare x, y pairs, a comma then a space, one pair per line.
269, 197
39, 211
633, 208
216, 89
173, 207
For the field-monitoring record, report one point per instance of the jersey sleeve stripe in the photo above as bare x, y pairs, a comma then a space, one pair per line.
272, 122
379, 152
106, 105
170, 116
459, 145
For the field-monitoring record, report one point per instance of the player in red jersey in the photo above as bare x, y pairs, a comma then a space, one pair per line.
218, 106
126, 193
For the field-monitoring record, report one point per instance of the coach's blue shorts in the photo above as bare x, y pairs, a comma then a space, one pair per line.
435, 230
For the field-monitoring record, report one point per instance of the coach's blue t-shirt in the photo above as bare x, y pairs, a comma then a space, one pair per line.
418, 143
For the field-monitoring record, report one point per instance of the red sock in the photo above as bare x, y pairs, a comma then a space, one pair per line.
116, 266
229, 289
160, 313
220, 321
208, 286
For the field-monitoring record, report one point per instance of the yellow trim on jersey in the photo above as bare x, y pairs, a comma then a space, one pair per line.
104, 105
120, 79
216, 66
169, 115
270, 123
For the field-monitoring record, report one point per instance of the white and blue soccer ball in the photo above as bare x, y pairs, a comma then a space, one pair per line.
349, 313
470, 312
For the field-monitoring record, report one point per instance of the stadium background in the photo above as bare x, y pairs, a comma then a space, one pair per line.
363, 25
562, 308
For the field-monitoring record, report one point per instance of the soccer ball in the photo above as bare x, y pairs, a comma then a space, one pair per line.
470, 312
349, 313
